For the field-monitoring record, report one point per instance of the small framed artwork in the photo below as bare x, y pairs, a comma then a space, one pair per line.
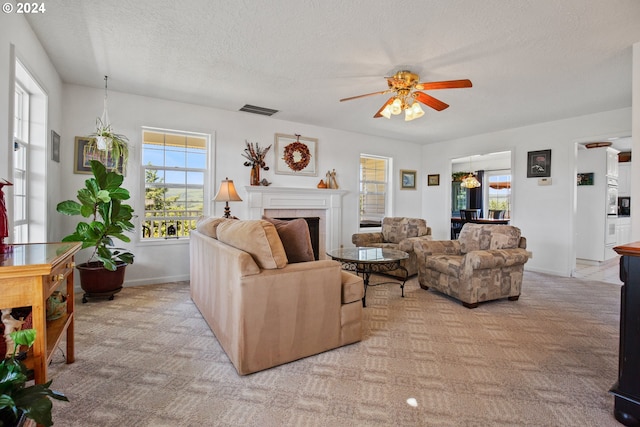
55, 146
84, 155
296, 155
585, 178
407, 180
539, 164
433, 179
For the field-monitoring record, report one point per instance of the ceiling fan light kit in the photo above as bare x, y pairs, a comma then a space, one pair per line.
408, 95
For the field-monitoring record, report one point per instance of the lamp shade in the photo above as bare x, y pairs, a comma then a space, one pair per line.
227, 192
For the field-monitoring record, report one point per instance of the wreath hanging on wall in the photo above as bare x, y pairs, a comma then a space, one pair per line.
299, 149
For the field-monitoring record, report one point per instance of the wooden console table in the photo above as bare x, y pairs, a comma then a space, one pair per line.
627, 389
28, 276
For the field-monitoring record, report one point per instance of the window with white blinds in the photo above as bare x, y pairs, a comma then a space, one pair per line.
374, 186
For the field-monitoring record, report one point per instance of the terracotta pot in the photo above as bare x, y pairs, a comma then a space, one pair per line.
99, 282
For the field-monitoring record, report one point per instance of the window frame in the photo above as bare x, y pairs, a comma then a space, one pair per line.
206, 188
387, 193
21, 145
487, 184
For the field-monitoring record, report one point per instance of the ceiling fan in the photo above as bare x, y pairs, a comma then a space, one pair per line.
407, 88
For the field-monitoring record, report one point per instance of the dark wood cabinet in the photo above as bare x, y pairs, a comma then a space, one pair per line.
627, 389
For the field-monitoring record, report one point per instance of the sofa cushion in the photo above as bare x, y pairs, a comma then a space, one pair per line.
482, 237
295, 238
256, 237
208, 225
396, 229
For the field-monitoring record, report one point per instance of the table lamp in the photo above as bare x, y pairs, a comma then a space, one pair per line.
227, 193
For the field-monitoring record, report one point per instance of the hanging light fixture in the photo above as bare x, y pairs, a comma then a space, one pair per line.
470, 181
402, 102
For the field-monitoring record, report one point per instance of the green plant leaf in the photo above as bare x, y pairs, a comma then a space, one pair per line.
69, 207
99, 172
24, 337
120, 194
113, 182
86, 211
103, 196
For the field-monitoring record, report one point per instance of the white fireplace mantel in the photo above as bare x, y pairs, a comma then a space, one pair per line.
282, 198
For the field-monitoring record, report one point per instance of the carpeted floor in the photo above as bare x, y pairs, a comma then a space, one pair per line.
148, 359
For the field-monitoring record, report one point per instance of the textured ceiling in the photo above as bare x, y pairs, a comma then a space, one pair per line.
530, 61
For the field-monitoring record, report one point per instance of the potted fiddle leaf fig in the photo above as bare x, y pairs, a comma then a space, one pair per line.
17, 401
101, 202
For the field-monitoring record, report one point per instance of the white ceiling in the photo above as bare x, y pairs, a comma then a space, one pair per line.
530, 61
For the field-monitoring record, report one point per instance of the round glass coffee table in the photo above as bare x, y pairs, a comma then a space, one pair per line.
367, 260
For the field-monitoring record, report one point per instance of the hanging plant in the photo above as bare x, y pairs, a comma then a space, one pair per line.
458, 176
109, 147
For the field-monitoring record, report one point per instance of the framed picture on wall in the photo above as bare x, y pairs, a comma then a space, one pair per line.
83, 157
407, 180
433, 179
55, 146
539, 164
296, 155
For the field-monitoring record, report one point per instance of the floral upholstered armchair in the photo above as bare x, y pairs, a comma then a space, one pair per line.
397, 233
485, 263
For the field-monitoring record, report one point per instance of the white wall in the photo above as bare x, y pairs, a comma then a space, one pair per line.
337, 150
14, 31
545, 214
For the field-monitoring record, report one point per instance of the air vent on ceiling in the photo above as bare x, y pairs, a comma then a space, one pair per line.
258, 110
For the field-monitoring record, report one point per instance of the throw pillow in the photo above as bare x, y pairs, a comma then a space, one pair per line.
258, 238
208, 225
295, 237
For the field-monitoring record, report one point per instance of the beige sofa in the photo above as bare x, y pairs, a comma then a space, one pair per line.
485, 263
263, 310
397, 233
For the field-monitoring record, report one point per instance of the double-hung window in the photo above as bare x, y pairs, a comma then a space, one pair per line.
20, 165
374, 190
174, 168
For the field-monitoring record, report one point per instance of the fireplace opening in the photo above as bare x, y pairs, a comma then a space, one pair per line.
314, 231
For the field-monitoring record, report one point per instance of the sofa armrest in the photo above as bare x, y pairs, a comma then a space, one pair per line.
495, 258
352, 287
365, 239
426, 247
408, 243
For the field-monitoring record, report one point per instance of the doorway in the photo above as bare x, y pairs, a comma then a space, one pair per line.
602, 164
493, 172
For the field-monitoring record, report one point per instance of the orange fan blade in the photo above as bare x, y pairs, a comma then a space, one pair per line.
449, 84
366, 94
382, 108
432, 102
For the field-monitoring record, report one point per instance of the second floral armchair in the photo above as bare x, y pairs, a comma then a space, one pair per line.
397, 233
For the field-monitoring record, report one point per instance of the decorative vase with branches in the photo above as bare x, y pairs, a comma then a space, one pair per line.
255, 156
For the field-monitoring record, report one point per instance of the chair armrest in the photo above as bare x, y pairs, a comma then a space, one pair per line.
523, 243
426, 247
365, 239
408, 243
495, 258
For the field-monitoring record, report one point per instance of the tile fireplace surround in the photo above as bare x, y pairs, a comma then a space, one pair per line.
291, 202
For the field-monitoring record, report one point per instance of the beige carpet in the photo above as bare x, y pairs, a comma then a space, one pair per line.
148, 359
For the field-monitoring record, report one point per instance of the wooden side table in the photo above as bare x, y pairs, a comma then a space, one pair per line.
28, 276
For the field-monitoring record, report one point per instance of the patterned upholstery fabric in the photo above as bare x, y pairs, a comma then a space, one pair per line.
485, 263
397, 233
